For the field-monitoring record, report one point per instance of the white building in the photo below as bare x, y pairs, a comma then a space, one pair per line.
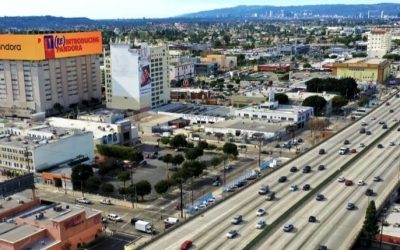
298, 98
139, 76
121, 132
38, 148
181, 71
379, 43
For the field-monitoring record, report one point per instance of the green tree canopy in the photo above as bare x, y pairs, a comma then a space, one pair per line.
143, 188
107, 188
162, 186
282, 98
177, 159
124, 177
370, 226
202, 144
178, 141
347, 87
317, 102
93, 183
80, 174
193, 153
164, 140
230, 149
338, 102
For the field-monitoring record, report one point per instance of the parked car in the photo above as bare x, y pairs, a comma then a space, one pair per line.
106, 201
83, 200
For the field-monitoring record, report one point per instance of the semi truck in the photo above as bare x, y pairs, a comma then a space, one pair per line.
144, 226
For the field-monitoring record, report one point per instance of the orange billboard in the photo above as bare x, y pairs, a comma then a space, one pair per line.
50, 46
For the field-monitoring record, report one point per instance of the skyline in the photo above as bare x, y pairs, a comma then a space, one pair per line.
128, 9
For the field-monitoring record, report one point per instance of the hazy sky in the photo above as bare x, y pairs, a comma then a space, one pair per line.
98, 9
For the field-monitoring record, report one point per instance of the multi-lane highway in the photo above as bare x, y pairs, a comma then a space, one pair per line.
337, 227
208, 231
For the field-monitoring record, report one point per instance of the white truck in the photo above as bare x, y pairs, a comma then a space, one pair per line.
144, 226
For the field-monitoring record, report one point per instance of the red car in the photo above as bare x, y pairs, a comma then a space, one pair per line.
348, 183
186, 245
353, 151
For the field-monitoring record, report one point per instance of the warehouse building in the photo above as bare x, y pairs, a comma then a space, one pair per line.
363, 70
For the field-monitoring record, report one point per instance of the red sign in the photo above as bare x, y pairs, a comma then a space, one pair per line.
74, 221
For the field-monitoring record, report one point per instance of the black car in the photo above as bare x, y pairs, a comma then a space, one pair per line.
293, 169
369, 192
312, 219
346, 142
322, 247
240, 183
321, 167
380, 146
398, 129
282, 179
322, 151
299, 140
391, 111
306, 187
368, 132
320, 197
307, 169
362, 130
384, 126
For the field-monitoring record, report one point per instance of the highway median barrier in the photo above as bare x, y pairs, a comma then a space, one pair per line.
281, 219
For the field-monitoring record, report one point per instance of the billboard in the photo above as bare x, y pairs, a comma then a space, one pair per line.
145, 70
50, 46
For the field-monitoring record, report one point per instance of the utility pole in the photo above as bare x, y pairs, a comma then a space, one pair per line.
181, 187
259, 153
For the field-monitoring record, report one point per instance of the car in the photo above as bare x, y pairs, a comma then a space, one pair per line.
270, 196
360, 183
343, 150
307, 169
369, 192
236, 219
231, 189
364, 123
306, 187
288, 227
106, 201
384, 126
368, 132
398, 129
114, 217
362, 130
394, 120
228, 167
104, 220
321, 167
293, 187
380, 146
362, 145
322, 247
348, 183
341, 179
322, 151
392, 143
353, 151
373, 118
216, 183
293, 169
260, 224
377, 178
231, 234
346, 142
320, 197
312, 219
381, 122
350, 206
82, 200
391, 111
240, 183
264, 189
282, 179
299, 140
186, 245
260, 212
388, 104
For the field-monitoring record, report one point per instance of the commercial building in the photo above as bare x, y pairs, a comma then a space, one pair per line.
364, 70
297, 98
181, 71
379, 43
139, 76
224, 62
29, 224
25, 147
277, 67
40, 72
121, 132
190, 94
205, 69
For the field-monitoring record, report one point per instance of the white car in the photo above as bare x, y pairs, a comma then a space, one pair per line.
114, 217
83, 200
293, 187
260, 224
231, 234
341, 179
106, 201
364, 123
360, 183
260, 212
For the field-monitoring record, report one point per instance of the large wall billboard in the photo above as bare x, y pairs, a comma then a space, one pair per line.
145, 71
49, 46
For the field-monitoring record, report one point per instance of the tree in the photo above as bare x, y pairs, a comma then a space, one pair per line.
58, 107
306, 65
107, 188
393, 57
230, 149
338, 102
317, 124
370, 227
317, 102
167, 159
193, 168
193, 153
215, 161
219, 136
93, 183
178, 141
143, 188
80, 174
162, 186
347, 87
282, 98
177, 159
165, 140
363, 101
202, 144
124, 177
58, 182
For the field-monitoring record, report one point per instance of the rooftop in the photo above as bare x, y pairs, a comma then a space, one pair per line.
371, 61
155, 119
245, 124
393, 218
192, 109
288, 109
15, 233
304, 95
15, 200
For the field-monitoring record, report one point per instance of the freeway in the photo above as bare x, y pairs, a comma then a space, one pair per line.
336, 227
208, 231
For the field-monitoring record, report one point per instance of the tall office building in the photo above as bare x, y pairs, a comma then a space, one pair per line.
379, 43
138, 76
39, 71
